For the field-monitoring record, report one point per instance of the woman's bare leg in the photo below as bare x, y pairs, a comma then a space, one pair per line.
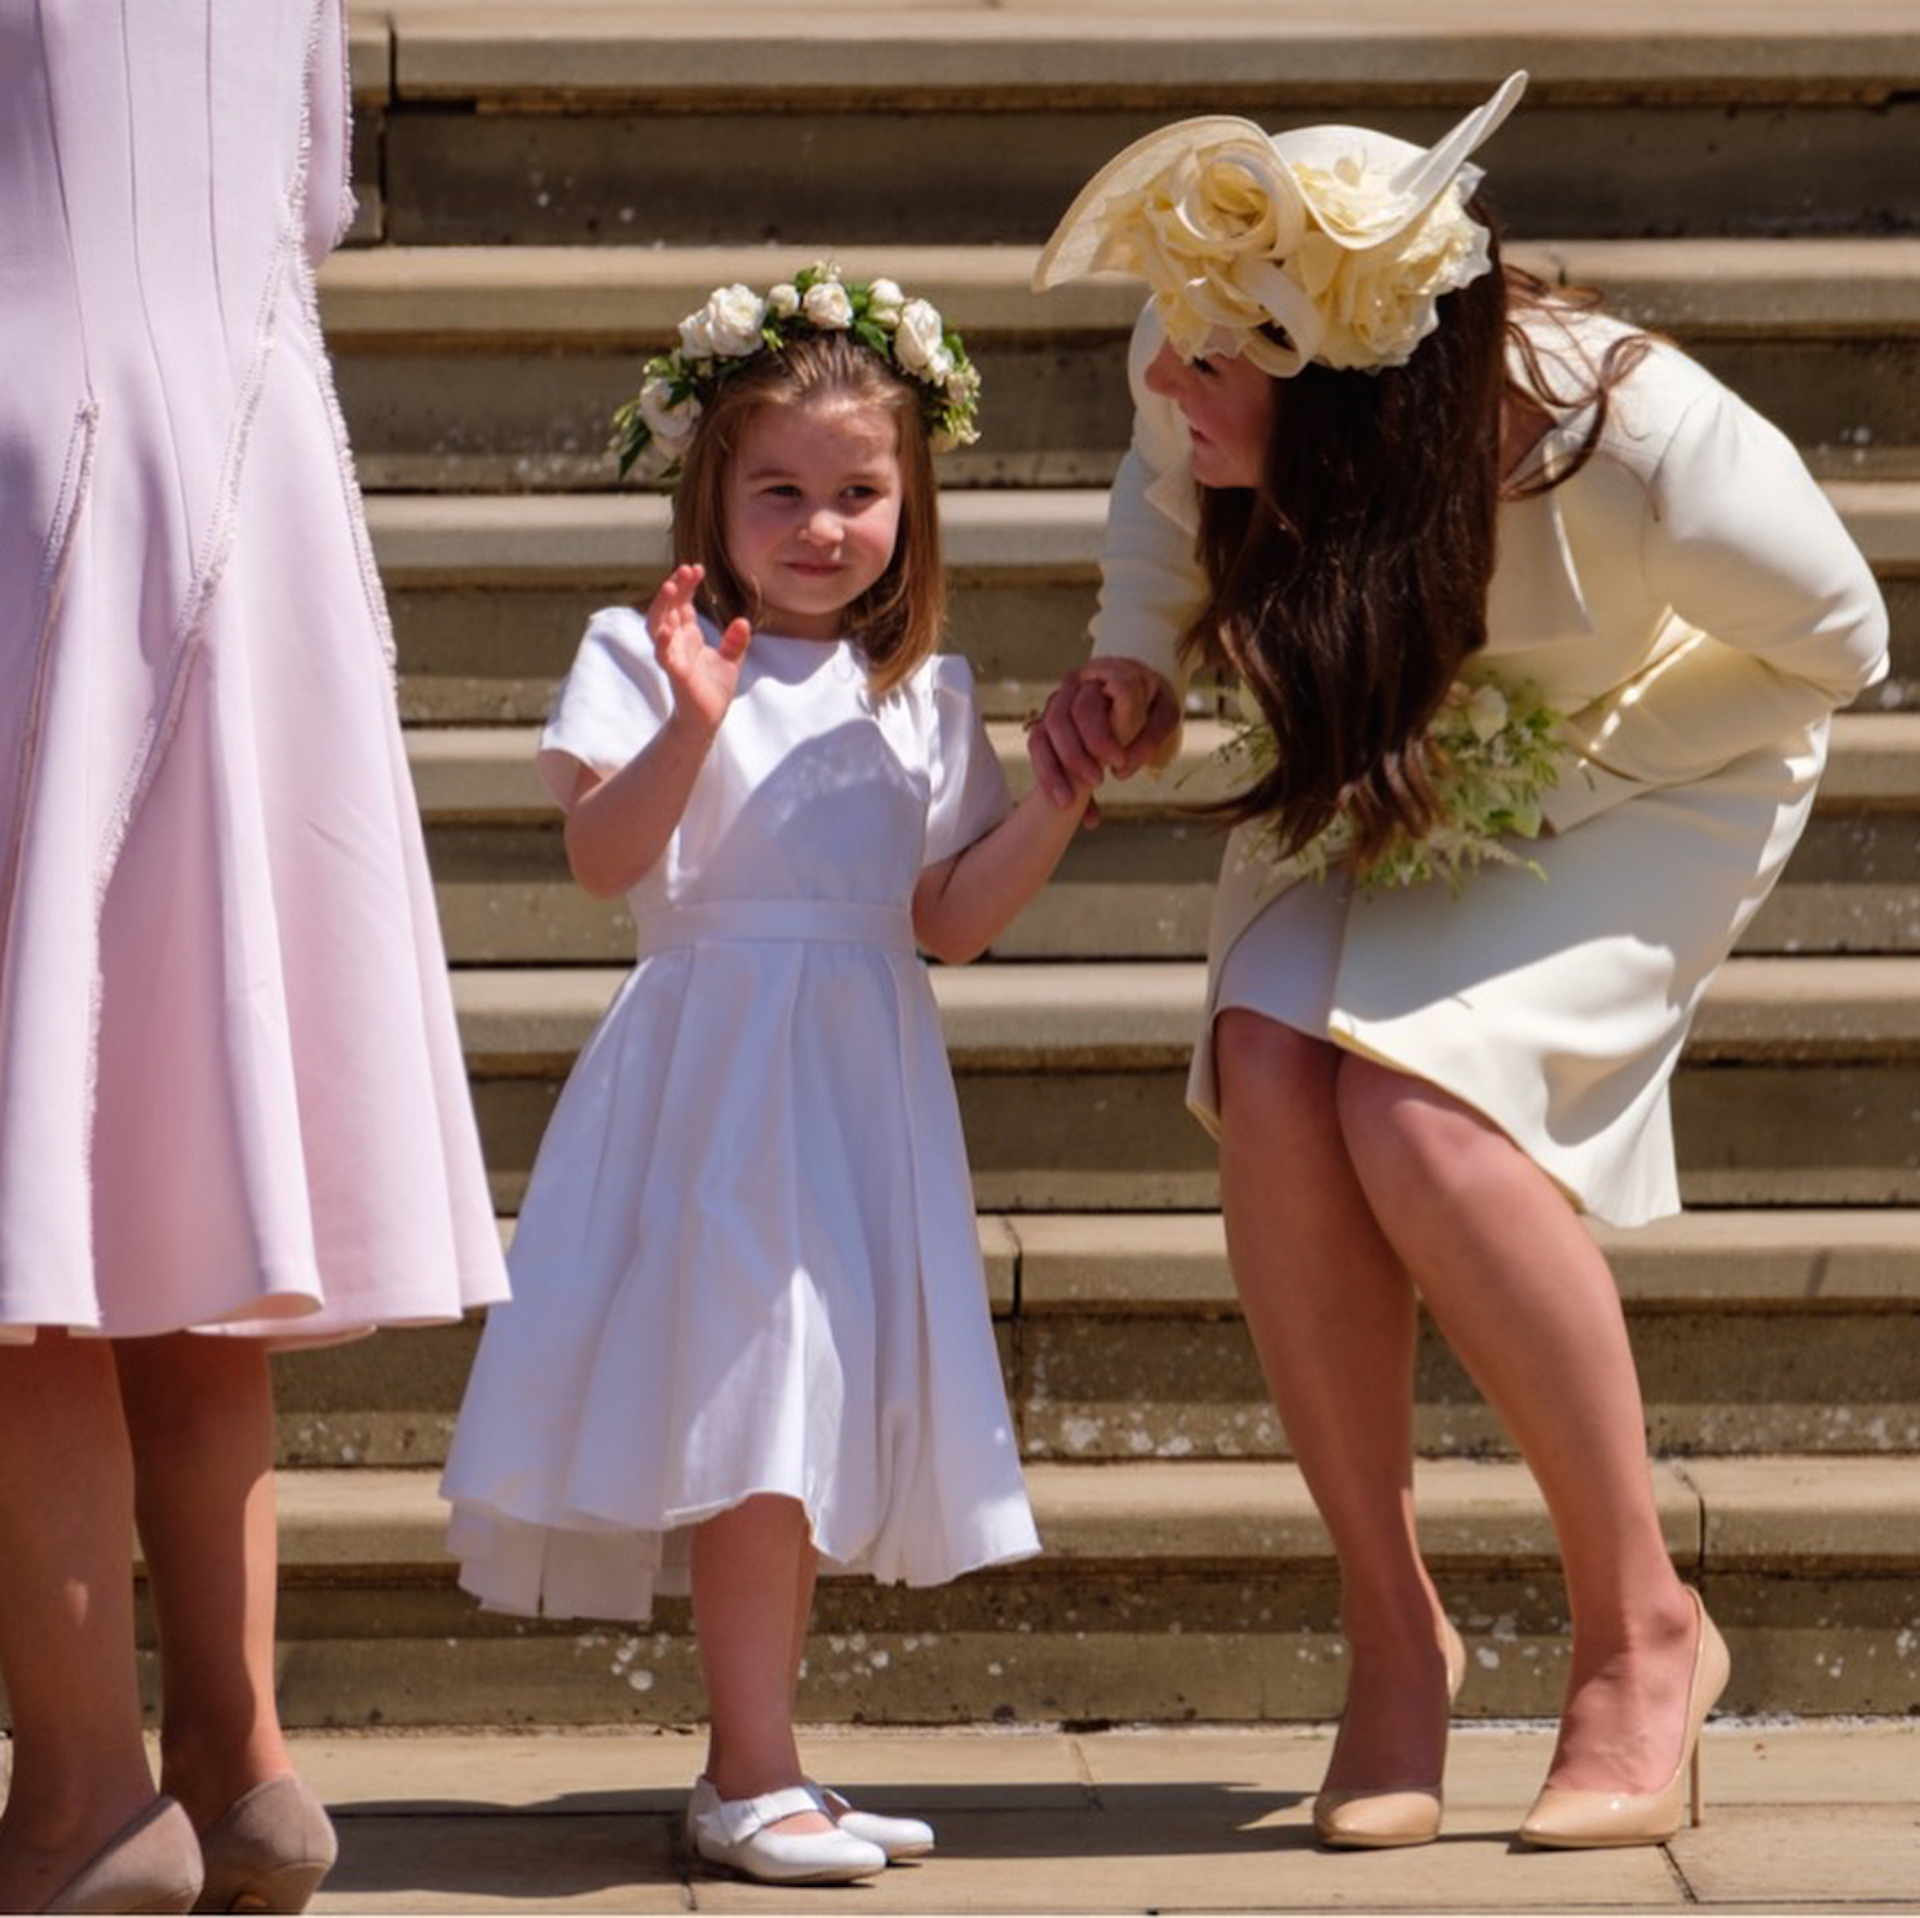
66, 1615
199, 1411
751, 1566
1332, 1316
1522, 1293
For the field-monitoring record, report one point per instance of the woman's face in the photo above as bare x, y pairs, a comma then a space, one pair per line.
1227, 403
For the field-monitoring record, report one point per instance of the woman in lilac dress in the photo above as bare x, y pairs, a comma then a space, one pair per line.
233, 1110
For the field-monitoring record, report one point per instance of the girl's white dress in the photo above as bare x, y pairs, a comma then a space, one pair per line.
747, 1261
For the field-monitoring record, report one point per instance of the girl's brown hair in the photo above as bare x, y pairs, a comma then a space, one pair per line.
898, 621
1349, 587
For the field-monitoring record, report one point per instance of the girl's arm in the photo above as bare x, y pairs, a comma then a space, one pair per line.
962, 904
618, 825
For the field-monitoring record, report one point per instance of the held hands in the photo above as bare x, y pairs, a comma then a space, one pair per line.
703, 677
1108, 716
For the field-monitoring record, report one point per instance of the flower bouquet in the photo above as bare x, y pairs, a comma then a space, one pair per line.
1492, 751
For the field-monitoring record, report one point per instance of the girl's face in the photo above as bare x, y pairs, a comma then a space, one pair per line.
1227, 403
812, 503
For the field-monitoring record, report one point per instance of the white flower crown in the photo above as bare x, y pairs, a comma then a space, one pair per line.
653, 430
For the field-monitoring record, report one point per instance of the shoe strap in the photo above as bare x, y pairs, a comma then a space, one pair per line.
740, 1818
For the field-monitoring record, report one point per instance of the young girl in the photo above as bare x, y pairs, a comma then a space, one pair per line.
749, 1332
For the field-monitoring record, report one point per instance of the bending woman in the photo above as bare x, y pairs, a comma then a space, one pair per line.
1374, 472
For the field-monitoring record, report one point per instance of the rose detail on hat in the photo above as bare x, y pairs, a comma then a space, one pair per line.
736, 325
1378, 303
1329, 245
1233, 239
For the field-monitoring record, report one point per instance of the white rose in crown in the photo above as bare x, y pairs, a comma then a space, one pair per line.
696, 343
783, 301
884, 301
670, 421
918, 336
732, 319
826, 304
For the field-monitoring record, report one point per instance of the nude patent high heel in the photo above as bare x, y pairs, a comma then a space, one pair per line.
1371, 1819
1584, 1820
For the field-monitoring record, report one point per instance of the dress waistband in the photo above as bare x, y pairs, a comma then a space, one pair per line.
845, 921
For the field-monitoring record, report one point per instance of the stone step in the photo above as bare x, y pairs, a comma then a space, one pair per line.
1140, 887
611, 123
1166, 1591
490, 594
1799, 1086
495, 368
1120, 1338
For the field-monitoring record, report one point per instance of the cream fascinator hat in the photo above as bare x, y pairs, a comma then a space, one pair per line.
1340, 238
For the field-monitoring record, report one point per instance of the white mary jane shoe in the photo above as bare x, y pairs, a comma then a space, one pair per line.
897, 1837
733, 1832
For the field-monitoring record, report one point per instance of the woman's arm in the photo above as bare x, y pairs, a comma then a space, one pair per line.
1787, 622
1121, 711
618, 825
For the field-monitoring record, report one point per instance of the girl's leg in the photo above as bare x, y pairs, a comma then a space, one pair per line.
1520, 1290
802, 1619
66, 1615
752, 1565
1332, 1316
200, 1414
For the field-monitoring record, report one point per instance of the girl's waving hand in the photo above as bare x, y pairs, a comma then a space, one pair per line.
618, 826
704, 677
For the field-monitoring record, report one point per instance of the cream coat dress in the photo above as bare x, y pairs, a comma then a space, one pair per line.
1691, 602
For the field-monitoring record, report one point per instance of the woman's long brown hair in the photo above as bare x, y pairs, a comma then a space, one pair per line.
1348, 589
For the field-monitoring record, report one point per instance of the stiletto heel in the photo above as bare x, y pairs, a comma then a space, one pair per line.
1375, 1819
1586, 1820
268, 1851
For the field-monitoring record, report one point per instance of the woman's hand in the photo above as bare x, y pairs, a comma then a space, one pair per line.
1108, 716
703, 677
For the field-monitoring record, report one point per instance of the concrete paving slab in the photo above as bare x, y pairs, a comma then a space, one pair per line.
1762, 1856
563, 1861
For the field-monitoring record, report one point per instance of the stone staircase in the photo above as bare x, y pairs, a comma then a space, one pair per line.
546, 189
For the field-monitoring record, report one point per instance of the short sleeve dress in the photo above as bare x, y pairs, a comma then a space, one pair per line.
748, 1260
232, 1093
